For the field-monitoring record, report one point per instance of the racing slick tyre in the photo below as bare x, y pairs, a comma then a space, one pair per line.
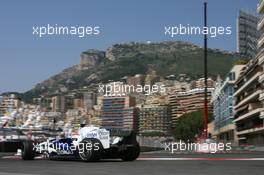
90, 149
27, 150
130, 153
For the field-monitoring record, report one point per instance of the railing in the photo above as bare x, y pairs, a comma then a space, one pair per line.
249, 127
260, 23
261, 96
260, 6
261, 41
252, 94
260, 53
246, 83
261, 78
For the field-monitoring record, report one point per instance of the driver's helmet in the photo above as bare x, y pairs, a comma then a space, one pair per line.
83, 124
62, 135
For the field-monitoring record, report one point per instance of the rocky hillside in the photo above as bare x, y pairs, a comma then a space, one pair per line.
121, 60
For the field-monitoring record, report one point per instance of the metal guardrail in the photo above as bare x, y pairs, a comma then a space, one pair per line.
10, 146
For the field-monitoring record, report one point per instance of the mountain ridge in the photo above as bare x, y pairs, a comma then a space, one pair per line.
166, 58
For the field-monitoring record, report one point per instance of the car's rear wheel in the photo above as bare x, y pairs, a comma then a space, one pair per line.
27, 151
90, 149
130, 153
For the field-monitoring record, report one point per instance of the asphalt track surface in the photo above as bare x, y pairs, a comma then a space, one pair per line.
150, 163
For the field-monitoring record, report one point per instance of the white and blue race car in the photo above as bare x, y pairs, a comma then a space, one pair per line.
92, 144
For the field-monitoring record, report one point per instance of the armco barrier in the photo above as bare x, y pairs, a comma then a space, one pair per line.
10, 146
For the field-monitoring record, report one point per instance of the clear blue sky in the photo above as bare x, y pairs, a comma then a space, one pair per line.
27, 60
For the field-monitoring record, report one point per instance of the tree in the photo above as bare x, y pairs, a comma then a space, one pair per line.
190, 125
241, 62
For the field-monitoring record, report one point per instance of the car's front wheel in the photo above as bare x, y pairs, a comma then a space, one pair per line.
27, 150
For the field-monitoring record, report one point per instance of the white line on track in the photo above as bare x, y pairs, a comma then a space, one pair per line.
206, 158
19, 157
166, 158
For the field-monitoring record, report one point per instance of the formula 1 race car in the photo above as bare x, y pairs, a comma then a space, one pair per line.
92, 144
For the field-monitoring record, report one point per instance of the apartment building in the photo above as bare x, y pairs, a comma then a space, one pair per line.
188, 101
249, 94
200, 83
154, 118
118, 113
9, 103
130, 119
58, 103
248, 90
247, 34
223, 103
89, 100
156, 99
48, 120
1, 100
75, 117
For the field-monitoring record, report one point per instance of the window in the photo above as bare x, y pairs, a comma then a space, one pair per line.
232, 76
